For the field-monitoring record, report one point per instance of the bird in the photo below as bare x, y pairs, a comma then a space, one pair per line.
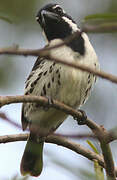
55, 81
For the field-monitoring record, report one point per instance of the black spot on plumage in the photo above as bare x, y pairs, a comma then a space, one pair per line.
45, 73
31, 90
50, 70
89, 81
44, 90
86, 92
40, 74
38, 78
34, 83
53, 79
27, 93
89, 76
51, 67
37, 63
57, 71
35, 67
49, 85
30, 76
40, 66
31, 84
27, 84
59, 83
42, 62
83, 101
59, 76
54, 63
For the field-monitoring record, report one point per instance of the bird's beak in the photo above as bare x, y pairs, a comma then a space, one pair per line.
45, 16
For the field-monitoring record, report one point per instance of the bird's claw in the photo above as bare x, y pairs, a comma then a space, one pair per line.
50, 102
82, 119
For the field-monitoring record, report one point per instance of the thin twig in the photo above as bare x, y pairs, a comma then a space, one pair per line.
110, 136
8, 120
102, 136
59, 141
97, 130
5, 100
45, 52
104, 27
62, 141
73, 136
108, 159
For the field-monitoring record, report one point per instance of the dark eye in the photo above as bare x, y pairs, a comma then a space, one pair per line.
58, 10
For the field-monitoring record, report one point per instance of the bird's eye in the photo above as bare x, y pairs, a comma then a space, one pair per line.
58, 10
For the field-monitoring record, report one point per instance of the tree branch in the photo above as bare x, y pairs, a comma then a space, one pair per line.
102, 136
45, 52
62, 141
59, 141
108, 159
107, 154
100, 27
41, 101
99, 131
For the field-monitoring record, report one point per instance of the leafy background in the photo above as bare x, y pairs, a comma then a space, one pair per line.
19, 27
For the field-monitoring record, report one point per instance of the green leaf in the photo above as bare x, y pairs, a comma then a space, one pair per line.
92, 146
105, 16
98, 171
6, 19
100, 23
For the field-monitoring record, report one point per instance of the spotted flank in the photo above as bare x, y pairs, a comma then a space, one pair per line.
53, 80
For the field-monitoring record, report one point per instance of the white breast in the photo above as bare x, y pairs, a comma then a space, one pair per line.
75, 83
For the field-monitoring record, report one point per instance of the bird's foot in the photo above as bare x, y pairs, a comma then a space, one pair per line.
82, 119
49, 104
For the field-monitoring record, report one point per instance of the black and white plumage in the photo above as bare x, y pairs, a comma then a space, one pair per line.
56, 81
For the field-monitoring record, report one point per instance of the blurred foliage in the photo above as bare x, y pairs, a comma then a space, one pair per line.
105, 16
14, 12
105, 23
16, 177
87, 175
6, 19
7, 78
113, 6
23, 11
98, 171
17, 10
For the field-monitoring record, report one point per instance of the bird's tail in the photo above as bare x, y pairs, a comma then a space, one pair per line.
32, 160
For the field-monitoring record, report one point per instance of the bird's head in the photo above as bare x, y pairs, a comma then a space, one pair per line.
55, 22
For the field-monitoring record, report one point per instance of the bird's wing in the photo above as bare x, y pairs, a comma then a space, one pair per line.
24, 120
44, 80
